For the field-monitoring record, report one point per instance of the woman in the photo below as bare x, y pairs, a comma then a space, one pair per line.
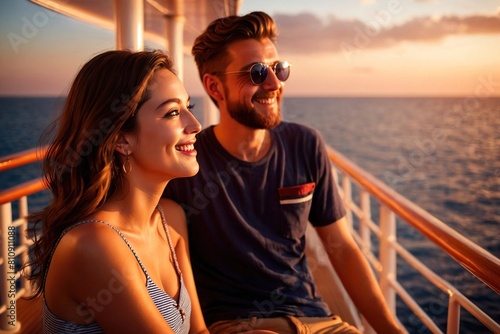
113, 255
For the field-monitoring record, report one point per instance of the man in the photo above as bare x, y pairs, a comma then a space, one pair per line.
260, 182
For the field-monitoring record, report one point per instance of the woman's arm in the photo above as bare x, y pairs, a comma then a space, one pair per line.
94, 277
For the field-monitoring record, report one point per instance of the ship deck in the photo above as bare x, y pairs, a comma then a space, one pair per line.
29, 315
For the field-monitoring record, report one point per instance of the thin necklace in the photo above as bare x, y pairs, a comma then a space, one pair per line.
165, 226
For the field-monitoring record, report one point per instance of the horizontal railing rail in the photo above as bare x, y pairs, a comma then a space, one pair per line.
482, 264
472, 257
22, 158
24, 189
14, 244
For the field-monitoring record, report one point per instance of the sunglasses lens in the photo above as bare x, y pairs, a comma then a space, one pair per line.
282, 70
258, 73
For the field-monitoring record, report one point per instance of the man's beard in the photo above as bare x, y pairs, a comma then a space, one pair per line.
251, 118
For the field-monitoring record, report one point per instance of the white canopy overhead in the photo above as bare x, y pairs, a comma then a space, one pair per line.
196, 13
174, 24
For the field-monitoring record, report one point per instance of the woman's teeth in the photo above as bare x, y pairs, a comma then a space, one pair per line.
189, 147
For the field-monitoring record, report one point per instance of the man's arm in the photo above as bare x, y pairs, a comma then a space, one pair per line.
356, 274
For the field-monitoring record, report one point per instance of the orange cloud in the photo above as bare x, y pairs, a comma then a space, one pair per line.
307, 33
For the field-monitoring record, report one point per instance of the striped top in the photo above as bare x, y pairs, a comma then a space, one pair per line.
177, 315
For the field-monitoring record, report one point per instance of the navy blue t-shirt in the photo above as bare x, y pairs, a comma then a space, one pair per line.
247, 222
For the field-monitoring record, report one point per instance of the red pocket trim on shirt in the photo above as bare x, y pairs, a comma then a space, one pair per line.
296, 194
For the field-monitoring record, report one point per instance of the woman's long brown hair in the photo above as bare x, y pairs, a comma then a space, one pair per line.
82, 168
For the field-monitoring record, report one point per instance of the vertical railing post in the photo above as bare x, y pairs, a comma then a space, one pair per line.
24, 242
364, 233
335, 174
347, 189
8, 318
364, 230
388, 255
453, 323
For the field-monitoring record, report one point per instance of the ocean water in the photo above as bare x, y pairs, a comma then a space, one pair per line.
441, 153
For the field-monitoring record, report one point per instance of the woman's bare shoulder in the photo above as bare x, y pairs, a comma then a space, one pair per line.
91, 238
93, 252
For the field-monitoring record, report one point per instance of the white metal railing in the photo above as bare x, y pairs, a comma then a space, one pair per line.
13, 251
13, 241
391, 204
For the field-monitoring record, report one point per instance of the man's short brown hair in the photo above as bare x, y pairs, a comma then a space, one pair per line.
210, 48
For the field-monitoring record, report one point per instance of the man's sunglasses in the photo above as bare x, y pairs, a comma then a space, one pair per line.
259, 71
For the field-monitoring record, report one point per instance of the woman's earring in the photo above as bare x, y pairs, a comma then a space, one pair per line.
127, 166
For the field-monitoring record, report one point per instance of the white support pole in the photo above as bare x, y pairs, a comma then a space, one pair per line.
175, 38
129, 16
210, 112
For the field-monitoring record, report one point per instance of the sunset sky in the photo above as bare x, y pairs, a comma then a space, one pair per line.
337, 48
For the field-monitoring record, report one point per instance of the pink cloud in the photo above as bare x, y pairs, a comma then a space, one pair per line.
307, 33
